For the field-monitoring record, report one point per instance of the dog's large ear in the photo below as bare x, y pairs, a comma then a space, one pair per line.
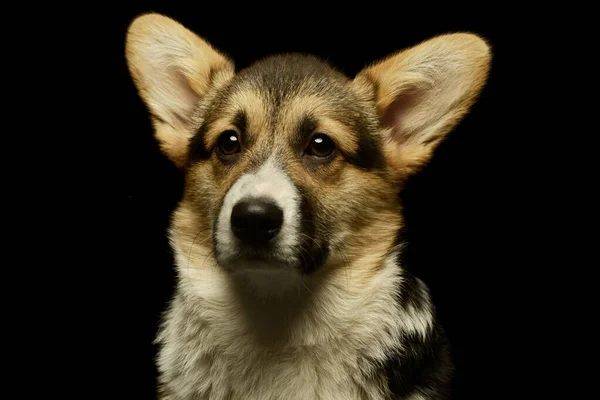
423, 92
172, 69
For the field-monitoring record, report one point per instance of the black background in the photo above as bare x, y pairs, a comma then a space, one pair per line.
457, 209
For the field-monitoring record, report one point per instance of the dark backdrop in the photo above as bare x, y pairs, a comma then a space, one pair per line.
455, 208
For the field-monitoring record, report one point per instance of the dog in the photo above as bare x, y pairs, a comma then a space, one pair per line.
288, 238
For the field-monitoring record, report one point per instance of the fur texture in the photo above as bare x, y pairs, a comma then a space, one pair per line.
326, 309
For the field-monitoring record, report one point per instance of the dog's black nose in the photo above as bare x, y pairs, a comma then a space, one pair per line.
256, 221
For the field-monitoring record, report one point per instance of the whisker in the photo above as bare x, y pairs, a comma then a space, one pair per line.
204, 230
301, 278
192, 247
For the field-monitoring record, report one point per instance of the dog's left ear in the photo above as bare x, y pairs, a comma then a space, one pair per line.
421, 93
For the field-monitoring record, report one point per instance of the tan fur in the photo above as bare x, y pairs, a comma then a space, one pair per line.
247, 100
317, 106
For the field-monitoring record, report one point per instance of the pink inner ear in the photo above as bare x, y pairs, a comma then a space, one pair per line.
396, 114
188, 98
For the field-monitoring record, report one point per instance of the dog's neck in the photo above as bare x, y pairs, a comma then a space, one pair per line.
302, 311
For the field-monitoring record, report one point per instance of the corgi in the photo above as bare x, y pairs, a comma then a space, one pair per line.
288, 238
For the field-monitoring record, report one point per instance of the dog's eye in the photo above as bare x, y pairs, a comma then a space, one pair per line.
229, 143
320, 145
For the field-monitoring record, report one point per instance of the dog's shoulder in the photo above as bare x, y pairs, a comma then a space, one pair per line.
420, 367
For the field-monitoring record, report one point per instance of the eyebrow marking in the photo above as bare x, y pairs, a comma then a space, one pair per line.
307, 125
240, 121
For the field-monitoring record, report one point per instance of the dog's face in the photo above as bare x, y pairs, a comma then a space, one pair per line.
290, 165
286, 164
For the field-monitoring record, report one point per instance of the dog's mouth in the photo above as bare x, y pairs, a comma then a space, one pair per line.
271, 256
248, 258
264, 271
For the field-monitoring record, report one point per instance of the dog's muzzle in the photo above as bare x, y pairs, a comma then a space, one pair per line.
259, 222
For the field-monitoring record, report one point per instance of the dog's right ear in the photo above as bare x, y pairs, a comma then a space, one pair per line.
172, 69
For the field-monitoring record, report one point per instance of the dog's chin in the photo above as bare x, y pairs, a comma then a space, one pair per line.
259, 264
265, 276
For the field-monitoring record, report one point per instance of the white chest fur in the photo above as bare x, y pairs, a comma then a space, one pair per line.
217, 344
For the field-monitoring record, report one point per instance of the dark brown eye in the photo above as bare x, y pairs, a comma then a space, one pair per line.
320, 145
229, 143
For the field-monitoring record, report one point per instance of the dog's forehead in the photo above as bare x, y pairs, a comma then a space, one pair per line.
280, 82
284, 75
279, 93
280, 100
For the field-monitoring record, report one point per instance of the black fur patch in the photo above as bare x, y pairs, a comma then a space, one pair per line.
240, 121
369, 155
313, 252
411, 293
307, 126
424, 365
197, 147
197, 150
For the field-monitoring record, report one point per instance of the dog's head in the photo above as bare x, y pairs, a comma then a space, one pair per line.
289, 164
